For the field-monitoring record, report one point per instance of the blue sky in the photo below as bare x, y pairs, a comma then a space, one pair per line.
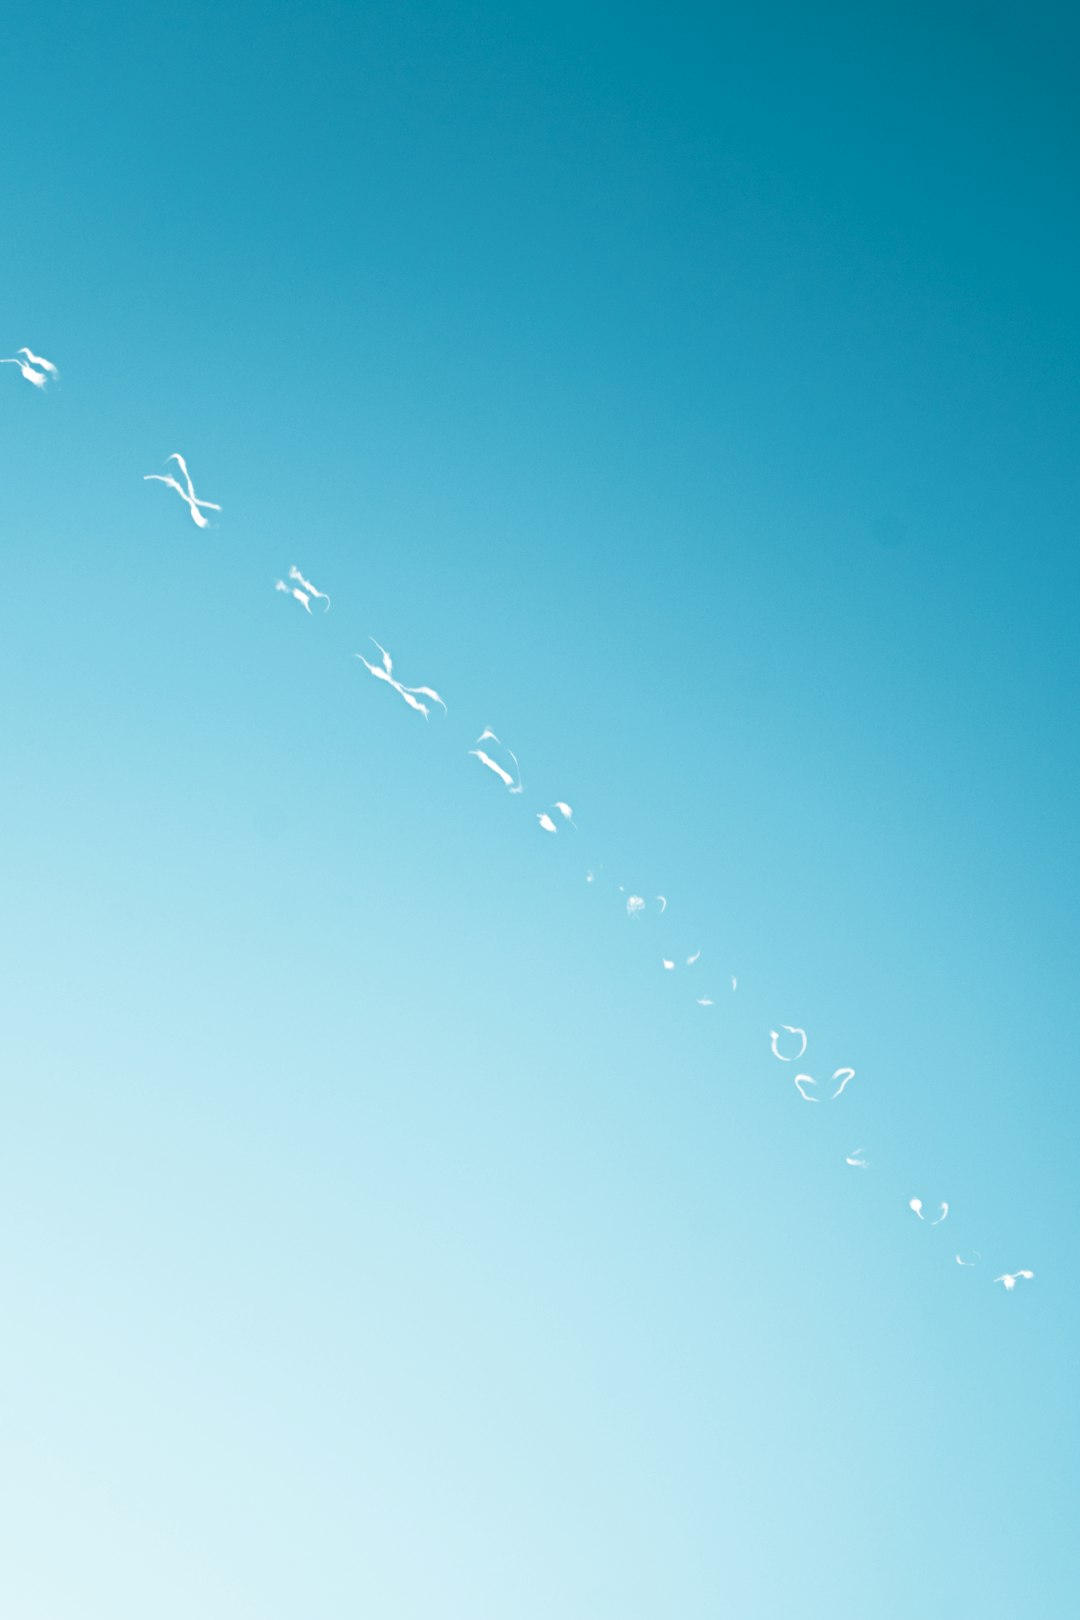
690, 395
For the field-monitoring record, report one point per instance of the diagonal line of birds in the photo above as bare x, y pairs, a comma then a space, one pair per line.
788, 1044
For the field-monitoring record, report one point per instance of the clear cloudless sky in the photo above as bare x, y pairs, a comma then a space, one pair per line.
689, 393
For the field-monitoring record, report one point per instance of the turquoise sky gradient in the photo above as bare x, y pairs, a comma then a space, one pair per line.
690, 395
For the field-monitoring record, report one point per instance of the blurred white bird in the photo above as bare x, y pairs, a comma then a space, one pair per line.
38, 378
807, 1080
792, 1029
848, 1074
856, 1161
187, 495
977, 1255
486, 759
39, 360
409, 693
546, 822
564, 810
670, 965
303, 596
294, 573
662, 901
916, 1204
690, 960
1009, 1279
705, 1001
635, 905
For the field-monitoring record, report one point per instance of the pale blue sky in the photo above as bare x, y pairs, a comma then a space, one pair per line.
690, 395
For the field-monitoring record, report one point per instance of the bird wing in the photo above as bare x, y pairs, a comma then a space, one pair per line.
426, 691
486, 759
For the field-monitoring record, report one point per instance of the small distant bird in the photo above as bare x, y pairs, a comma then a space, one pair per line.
668, 963
38, 378
805, 1080
690, 960
546, 822
39, 360
848, 1074
792, 1029
303, 591
1009, 1279
705, 1001
916, 1204
590, 877
977, 1255
492, 765
187, 495
564, 810
409, 693
856, 1161
635, 905
662, 902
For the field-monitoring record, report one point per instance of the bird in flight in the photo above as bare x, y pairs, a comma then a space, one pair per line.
303, 591
1009, 1279
916, 1205
856, 1160
40, 360
385, 672
792, 1029
635, 905
977, 1255
492, 765
38, 378
546, 822
187, 495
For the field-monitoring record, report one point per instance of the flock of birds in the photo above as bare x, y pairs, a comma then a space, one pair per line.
40, 372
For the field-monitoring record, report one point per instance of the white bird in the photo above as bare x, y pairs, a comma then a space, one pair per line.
917, 1205
187, 495
977, 1255
486, 759
662, 900
36, 377
734, 982
564, 810
635, 905
705, 1001
590, 877
668, 963
792, 1029
409, 693
857, 1162
690, 960
805, 1079
301, 596
294, 573
546, 822
848, 1074
39, 360
1009, 1279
